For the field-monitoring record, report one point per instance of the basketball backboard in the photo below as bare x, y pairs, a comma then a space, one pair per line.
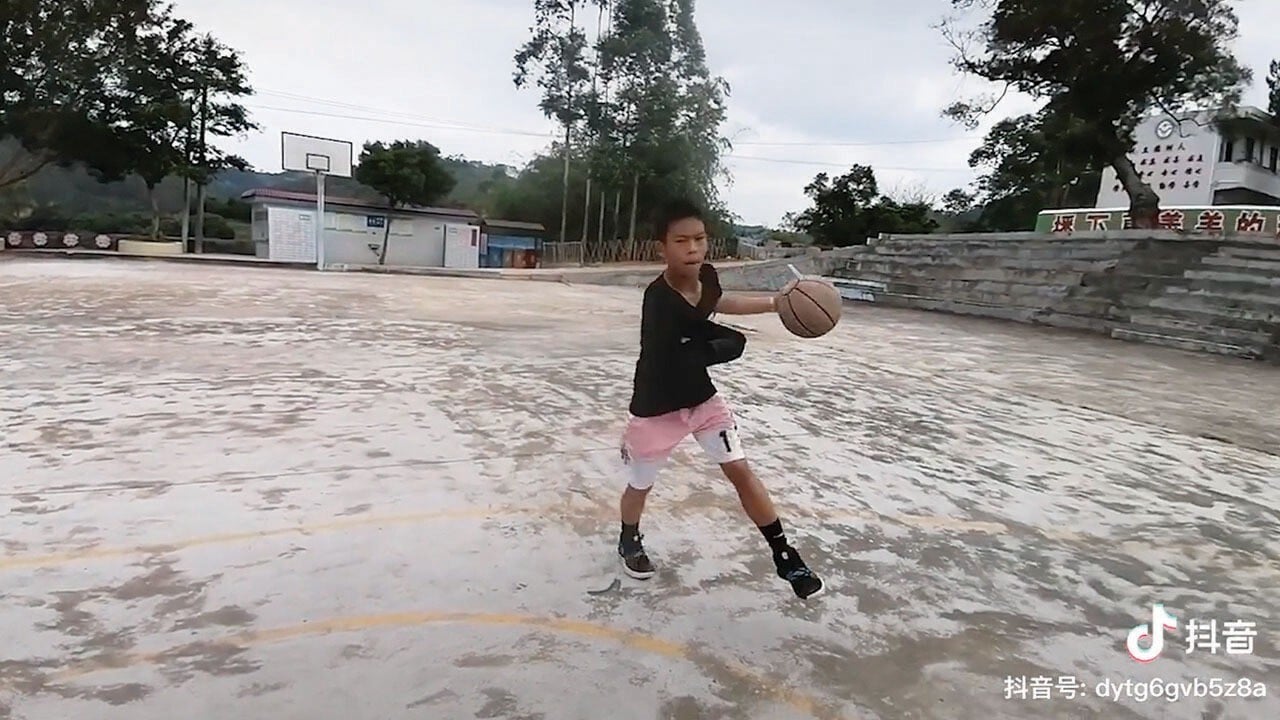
307, 153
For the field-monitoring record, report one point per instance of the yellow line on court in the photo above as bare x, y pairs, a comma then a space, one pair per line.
924, 522
638, 641
73, 556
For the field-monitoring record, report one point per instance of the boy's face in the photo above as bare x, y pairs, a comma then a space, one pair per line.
685, 246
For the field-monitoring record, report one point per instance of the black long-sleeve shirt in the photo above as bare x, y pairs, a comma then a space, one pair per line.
678, 342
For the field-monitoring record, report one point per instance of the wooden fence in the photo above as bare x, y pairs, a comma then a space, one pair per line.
618, 251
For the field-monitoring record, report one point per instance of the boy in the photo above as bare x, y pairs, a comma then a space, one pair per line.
674, 397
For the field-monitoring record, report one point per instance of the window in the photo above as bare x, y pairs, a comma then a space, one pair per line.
1228, 150
1275, 158
1249, 146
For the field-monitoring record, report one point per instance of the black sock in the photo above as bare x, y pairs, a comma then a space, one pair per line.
629, 532
773, 533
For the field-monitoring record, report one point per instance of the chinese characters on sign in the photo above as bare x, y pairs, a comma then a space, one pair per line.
1210, 221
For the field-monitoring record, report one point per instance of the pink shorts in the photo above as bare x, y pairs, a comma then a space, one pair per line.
648, 441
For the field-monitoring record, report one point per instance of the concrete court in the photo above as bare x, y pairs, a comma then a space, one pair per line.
263, 493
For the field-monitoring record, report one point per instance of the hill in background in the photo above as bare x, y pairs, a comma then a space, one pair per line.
57, 198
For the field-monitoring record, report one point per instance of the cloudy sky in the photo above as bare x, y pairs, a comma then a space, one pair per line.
813, 89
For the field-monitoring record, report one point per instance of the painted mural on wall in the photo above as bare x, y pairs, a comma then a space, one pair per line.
38, 240
1222, 220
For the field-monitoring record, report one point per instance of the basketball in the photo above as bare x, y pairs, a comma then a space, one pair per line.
809, 308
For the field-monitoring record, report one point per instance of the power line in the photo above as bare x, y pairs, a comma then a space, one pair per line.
432, 125
481, 128
500, 131
786, 161
824, 143
389, 113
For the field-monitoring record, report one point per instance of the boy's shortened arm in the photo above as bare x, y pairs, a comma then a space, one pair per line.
730, 304
746, 304
723, 344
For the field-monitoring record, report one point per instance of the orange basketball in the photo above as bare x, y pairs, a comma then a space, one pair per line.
809, 308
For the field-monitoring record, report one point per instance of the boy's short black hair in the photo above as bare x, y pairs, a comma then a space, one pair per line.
673, 211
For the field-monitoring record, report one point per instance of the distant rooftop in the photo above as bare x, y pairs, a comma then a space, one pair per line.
515, 225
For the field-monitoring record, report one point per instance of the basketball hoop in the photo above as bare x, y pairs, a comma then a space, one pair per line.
321, 156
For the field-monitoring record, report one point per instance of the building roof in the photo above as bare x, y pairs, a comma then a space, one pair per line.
516, 225
268, 194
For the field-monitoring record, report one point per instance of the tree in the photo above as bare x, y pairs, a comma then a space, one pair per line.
1031, 163
849, 209
1273, 89
554, 55
405, 173
217, 79
1103, 64
667, 109
642, 113
155, 113
117, 95
958, 202
60, 81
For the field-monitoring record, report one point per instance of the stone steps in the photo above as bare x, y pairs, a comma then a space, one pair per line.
956, 271
1132, 277
978, 289
1182, 343
1258, 292
1188, 327
1228, 263
1207, 315
983, 261
1249, 252
1027, 253
1206, 295
1234, 278
1035, 314
1232, 306
1096, 299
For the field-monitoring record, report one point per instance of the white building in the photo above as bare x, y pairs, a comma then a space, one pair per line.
284, 229
1193, 161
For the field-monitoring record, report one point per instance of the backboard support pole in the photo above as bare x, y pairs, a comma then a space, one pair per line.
319, 220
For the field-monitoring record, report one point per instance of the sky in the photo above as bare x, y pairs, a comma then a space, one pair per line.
815, 85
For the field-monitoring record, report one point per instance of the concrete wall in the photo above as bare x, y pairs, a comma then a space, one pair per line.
1192, 292
414, 241
351, 237
148, 247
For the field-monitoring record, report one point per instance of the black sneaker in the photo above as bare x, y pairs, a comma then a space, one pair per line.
634, 559
792, 569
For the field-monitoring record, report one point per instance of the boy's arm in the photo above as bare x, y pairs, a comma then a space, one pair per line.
746, 304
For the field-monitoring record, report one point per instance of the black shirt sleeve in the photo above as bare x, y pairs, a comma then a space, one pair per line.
711, 291
659, 327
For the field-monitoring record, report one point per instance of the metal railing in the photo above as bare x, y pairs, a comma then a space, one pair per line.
617, 251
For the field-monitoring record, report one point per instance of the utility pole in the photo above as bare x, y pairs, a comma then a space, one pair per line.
568, 127
204, 165
186, 179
